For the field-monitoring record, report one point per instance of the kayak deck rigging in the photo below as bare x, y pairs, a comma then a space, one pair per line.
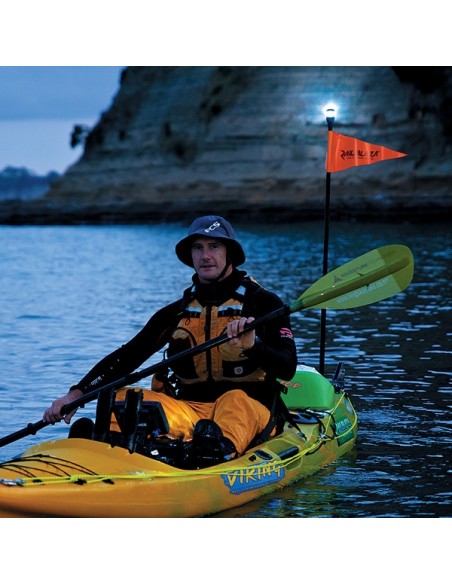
38, 469
79, 477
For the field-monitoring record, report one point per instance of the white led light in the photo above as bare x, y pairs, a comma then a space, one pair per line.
330, 110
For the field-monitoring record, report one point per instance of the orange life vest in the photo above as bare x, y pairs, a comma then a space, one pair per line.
222, 363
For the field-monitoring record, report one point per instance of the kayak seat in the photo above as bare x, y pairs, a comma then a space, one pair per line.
139, 421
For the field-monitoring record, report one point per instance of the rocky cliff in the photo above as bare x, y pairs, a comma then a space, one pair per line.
251, 142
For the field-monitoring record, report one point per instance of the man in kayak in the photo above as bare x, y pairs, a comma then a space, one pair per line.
226, 396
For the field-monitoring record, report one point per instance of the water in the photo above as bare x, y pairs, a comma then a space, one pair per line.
70, 295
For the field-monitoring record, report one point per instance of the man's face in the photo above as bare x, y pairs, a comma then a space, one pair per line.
209, 258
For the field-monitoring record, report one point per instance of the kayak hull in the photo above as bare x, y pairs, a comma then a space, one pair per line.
75, 477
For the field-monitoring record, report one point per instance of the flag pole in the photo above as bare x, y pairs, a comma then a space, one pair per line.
330, 116
354, 152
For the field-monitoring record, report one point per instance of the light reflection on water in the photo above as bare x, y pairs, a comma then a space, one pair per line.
70, 295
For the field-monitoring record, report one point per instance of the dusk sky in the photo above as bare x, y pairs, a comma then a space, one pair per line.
39, 107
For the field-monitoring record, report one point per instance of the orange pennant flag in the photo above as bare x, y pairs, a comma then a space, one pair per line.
345, 152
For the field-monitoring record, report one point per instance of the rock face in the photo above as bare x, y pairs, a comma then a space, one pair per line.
251, 142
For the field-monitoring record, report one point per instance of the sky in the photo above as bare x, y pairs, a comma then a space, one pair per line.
40, 105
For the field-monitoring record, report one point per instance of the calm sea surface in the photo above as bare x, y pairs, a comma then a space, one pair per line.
70, 295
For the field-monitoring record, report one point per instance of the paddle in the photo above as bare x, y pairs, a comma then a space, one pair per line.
374, 276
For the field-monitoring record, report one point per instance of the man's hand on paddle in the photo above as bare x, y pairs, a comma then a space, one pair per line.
245, 341
53, 414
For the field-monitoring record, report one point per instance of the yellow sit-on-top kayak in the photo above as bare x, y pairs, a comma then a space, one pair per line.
77, 477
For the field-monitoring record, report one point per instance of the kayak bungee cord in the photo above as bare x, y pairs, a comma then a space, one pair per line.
57, 463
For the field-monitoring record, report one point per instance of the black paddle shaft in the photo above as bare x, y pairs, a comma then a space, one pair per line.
397, 261
31, 429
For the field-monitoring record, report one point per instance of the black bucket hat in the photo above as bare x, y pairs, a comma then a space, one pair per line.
217, 228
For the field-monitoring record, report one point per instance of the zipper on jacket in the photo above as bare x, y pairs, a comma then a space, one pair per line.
207, 332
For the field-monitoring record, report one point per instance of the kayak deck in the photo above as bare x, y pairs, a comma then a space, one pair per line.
76, 477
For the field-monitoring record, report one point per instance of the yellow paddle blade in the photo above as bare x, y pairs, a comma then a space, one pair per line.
374, 276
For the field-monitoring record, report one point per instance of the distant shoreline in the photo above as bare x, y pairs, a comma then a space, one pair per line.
45, 213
